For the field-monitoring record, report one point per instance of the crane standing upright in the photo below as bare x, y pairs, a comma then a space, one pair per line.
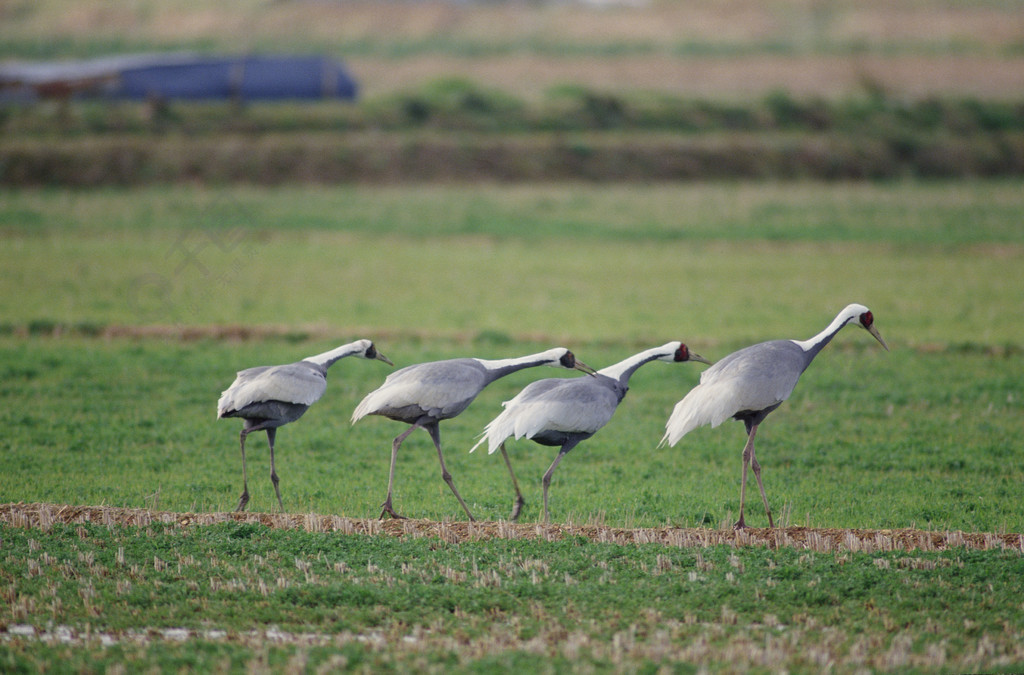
749, 384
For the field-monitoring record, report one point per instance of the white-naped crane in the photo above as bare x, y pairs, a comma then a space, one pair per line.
267, 397
562, 412
424, 394
749, 384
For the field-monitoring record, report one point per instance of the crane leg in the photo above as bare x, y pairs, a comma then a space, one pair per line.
757, 474
386, 508
748, 454
435, 434
546, 481
519, 495
244, 499
271, 434
749, 459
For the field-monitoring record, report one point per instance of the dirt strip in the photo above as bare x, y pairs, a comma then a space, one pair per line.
44, 516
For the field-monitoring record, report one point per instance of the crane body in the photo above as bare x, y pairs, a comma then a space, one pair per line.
749, 384
561, 412
268, 397
424, 394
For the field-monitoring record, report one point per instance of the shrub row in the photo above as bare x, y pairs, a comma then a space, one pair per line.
431, 156
459, 105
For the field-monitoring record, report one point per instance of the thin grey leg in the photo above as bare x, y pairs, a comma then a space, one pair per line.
244, 499
518, 507
546, 481
386, 508
435, 434
748, 454
757, 474
271, 434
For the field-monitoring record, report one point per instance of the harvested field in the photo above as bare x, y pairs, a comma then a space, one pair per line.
739, 77
820, 540
727, 50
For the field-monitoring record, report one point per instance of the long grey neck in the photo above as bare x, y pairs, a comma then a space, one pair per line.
817, 343
623, 370
498, 368
327, 359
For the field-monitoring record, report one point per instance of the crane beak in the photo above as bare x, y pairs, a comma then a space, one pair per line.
698, 357
585, 368
877, 336
381, 357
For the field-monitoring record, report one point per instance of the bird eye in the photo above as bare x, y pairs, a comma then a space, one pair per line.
568, 360
866, 319
683, 353
371, 352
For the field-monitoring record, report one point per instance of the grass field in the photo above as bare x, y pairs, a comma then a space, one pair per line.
709, 263
869, 440
895, 477
116, 304
440, 272
239, 596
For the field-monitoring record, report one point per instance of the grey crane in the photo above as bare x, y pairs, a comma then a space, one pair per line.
563, 412
426, 393
267, 397
749, 384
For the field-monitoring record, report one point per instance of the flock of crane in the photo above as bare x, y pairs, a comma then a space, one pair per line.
746, 385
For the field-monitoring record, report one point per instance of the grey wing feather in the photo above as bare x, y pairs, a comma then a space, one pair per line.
536, 389
441, 388
584, 406
292, 383
580, 405
762, 375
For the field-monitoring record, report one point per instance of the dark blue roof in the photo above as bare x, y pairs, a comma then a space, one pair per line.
187, 76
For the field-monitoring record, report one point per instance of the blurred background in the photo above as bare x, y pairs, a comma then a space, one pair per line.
511, 89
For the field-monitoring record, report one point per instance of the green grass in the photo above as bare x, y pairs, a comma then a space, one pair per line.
918, 214
245, 595
729, 263
91, 46
923, 436
868, 439
916, 435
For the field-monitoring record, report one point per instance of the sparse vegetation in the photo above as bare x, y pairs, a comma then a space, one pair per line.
242, 595
458, 130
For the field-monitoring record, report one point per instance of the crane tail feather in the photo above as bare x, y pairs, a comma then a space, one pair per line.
483, 437
705, 404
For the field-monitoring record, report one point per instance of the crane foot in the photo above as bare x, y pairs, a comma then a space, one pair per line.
517, 509
387, 510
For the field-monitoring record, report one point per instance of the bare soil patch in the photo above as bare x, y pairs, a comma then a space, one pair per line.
823, 540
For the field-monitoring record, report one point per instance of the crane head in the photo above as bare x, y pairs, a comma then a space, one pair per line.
569, 360
683, 353
370, 352
867, 322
